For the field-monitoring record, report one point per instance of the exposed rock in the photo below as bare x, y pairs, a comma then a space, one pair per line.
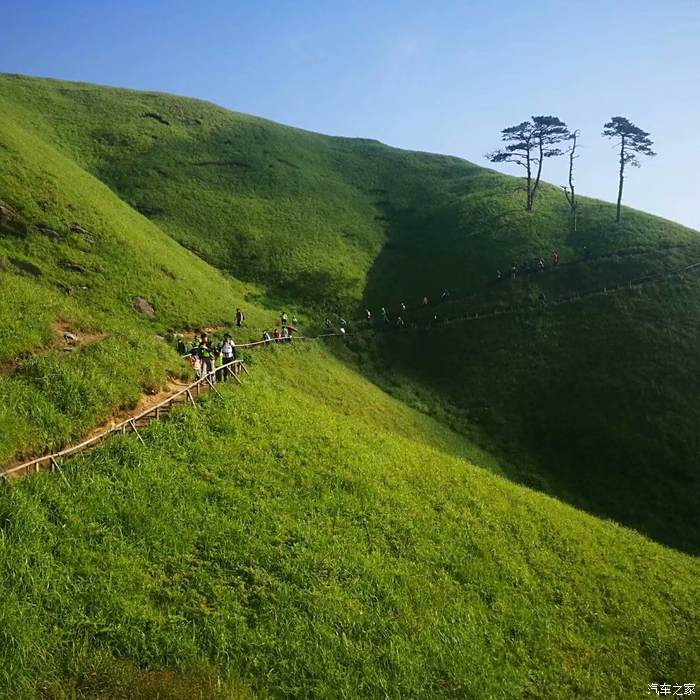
9, 221
27, 267
88, 235
49, 232
72, 267
157, 117
143, 307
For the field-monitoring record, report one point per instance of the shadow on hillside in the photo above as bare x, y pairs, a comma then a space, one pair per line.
594, 403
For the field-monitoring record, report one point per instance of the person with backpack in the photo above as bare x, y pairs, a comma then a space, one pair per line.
196, 359
208, 356
181, 347
228, 353
266, 339
385, 315
284, 335
276, 335
240, 318
283, 318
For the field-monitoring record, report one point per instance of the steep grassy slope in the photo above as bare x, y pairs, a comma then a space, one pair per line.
595, 404
73, 257
308, 536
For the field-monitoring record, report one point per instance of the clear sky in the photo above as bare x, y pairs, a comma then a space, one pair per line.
441, 76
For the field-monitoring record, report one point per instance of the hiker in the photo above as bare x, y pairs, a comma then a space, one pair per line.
196, 359
445, 295
384, 314
368, 315
208, 356
424, 302
542, 299
181, 347
403, 308
276, 335
555, 258
513, 271
228, 352
343, 324
283, 318
436, 319
328, 324
240, 318
499, 275
540, 265
266, 339
399, 322
285, 334
290, 330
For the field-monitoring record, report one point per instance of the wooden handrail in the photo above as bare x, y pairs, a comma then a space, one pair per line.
128, 423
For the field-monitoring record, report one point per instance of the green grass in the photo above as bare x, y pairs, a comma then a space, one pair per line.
310, 535
305, 540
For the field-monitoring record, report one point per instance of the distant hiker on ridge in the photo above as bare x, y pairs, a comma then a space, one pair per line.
240, 318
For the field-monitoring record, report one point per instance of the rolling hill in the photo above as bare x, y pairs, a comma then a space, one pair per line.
112, 201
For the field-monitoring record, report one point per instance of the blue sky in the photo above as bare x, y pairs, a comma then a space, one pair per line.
439, 76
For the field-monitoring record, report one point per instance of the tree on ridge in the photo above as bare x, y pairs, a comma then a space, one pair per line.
633, 142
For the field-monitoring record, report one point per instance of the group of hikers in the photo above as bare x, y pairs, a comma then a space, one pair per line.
281, 334
531, 265
208, 356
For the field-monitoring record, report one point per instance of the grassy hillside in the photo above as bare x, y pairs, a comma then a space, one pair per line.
595, 404
309, 536
327, 220
73, 257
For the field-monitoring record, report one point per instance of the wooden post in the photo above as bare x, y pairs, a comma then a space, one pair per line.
211, 384
189, 396
138, 435
234, 375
